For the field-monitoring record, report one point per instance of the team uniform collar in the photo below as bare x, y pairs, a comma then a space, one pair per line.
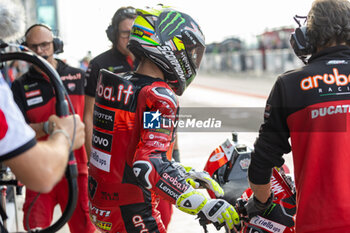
338, 52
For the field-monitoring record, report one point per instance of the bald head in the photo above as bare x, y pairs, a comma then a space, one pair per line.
38, 30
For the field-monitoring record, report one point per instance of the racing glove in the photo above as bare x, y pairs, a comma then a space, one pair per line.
255, 207
202, 180
217, 211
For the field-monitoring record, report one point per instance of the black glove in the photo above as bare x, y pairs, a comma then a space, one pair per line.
255, 207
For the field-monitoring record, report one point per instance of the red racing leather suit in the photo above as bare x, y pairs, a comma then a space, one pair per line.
311, 105
129, 168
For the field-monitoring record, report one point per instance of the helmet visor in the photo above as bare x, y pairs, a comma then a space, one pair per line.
194, 48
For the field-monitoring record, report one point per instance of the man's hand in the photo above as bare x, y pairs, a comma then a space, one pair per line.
255, 207
217, 211
67, 124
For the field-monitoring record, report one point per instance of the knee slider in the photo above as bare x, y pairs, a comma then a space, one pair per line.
142, 170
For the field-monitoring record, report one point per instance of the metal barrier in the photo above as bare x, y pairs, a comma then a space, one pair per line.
256, 61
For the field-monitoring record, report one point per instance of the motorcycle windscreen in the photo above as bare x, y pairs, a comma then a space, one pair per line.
237, 178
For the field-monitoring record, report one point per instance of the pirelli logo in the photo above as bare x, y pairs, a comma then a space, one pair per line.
104, 118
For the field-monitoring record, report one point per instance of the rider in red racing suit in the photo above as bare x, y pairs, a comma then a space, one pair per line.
118, 130
134, 130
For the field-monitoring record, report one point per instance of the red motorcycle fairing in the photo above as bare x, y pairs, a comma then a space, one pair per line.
228, 165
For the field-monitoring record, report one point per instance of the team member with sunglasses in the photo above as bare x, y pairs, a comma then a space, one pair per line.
35, 96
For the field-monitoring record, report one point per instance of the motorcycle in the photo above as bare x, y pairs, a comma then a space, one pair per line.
228, 165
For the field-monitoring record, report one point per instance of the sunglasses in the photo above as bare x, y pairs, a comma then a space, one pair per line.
124, 34
43, 46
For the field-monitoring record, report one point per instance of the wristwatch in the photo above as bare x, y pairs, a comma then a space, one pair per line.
48, 127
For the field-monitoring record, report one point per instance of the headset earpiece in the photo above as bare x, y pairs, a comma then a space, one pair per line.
111, 33
300, 42
300, 34
57, 45
120, 15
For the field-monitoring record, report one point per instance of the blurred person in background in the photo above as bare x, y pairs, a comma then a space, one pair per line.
16, 69
310, 106
84, 63
34, 94
118, 59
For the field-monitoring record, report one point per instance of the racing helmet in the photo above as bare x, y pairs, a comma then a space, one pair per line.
172, 40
